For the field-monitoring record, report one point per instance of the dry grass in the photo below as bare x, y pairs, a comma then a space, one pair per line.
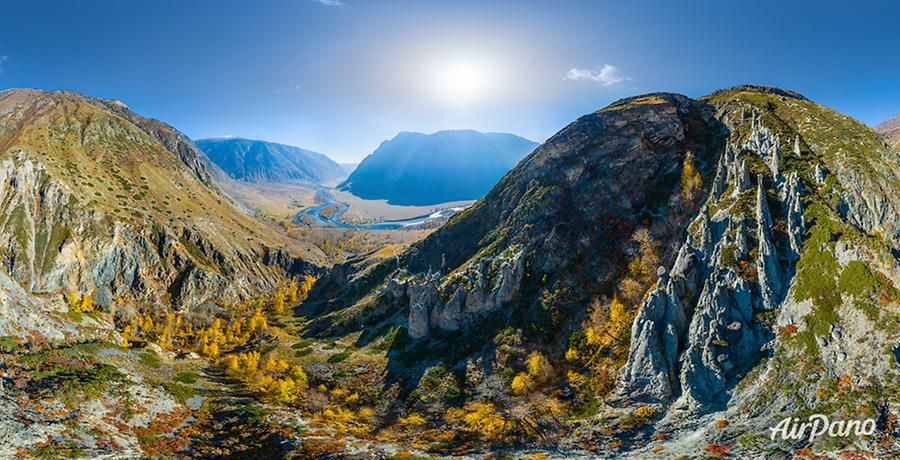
113, 166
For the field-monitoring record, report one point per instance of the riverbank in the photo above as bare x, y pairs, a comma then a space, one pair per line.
332, 212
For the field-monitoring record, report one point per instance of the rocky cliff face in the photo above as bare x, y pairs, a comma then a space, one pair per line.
95, 199
478, 289
768, 284
775, 224
696, 330
564, 216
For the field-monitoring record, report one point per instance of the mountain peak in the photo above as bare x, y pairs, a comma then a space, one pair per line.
423, 169
255, 160
892, 122
889, 130
763, 89
448, 132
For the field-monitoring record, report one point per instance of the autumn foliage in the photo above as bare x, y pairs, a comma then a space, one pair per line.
273, 377
83, 305
242, 322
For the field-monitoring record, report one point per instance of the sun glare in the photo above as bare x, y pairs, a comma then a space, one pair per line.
462, 82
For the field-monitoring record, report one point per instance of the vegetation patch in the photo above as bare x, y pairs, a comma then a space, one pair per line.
340, 357
728, 257
180, 392
816, 279
195, 252
9, 343
189, 378
634, 102
150, 359
69, 380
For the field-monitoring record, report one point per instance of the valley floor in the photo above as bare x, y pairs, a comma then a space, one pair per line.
362, 210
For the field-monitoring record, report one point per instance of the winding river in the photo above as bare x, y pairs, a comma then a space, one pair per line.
316, 213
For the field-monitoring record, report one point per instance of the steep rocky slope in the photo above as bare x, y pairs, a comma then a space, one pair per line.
665, 274
890, 130
261, 161
782, 300
570, 207
97, 200
422, 169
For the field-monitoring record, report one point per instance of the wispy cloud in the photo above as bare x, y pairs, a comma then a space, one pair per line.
608, 75
291, 89
3, 59
337, 3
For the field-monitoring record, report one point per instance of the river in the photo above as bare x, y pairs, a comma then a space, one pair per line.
335, 220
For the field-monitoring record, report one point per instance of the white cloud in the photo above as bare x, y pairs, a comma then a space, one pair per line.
338, 3
608, 75
3, 59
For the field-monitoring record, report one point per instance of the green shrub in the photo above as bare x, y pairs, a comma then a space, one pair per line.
189, 378
340, 357
8, 343
180, 392
150, 359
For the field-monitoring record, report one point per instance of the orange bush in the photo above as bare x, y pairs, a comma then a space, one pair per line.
717, 450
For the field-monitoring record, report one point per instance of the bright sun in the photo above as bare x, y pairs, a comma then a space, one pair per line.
462, 82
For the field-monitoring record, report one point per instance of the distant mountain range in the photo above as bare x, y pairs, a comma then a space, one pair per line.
422, 169
261, 161
890, 130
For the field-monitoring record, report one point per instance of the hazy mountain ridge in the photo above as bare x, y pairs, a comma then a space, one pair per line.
890, 130
262, 161
422, 169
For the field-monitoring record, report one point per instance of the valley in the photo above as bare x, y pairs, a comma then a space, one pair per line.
336, 211
460, 230
567, 313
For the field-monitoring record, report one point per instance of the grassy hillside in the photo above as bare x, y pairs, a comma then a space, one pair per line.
85, 181
113, 166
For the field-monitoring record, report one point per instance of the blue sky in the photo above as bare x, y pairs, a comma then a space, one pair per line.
342, 76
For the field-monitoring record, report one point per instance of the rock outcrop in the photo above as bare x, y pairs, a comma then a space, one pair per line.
694, 346
720, 339
764, 143
475, 291
658, 333
796, 223
747, 310
768, 271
